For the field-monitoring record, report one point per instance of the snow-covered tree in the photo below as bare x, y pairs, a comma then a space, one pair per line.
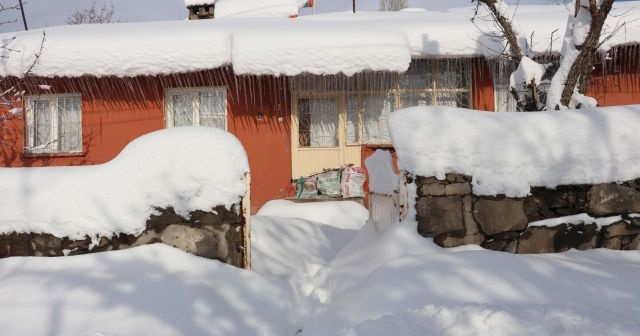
13, 89
92, 14
570, 82
393, 5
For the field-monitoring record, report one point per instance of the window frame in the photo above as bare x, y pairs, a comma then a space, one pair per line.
29, 125
168, 104
358, 92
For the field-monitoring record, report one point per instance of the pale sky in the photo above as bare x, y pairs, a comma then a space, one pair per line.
44, 13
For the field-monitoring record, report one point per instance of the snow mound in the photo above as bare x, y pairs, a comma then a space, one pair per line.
401, 283
507, 153
147, 290
188, 168
382, 178
339, 214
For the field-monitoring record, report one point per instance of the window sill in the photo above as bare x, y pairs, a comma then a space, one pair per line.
55, 154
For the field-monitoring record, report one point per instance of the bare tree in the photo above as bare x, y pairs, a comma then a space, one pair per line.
92, 14
393, 5
14, 88
576, 63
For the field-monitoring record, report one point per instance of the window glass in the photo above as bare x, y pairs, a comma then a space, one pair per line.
42, 132
213, 109
54, 124
376, 110
353, 120
68, 120
419, 76
182, 109
318, 122
409, 99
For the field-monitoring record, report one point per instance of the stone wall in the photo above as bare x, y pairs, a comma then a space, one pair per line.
448, 211
217, 234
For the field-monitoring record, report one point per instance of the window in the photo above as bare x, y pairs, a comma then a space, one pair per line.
318, 122
365, 100
206, 106
54, 124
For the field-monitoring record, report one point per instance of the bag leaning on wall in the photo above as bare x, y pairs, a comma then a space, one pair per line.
352, 182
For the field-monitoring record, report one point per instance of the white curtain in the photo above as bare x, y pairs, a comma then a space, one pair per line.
182, 109
353, 120
42, 124
69, 125
504, 99
324, 122
213, 109
376, 110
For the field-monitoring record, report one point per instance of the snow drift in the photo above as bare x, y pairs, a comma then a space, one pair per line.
507, 153
189, 168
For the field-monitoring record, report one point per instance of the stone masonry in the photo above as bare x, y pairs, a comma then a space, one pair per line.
216, 234
448, 211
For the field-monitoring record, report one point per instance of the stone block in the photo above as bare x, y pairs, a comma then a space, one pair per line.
543, 239
458, 238
500, 215
46, 245
546, 203
538, 240
613, 199
613, 243
470, 224
458, 189
620, 228
439, 214
197, 241
15, 245
431, 190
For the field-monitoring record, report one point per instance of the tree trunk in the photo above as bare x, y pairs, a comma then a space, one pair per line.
583, 65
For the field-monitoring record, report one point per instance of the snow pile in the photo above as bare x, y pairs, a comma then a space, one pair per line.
400, 283
319, 44
340, 214
382, 178
507, 153
307, 282
528, 71
255, 8
190, 168
147, 290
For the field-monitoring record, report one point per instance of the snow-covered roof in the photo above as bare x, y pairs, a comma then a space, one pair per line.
507, 153
189, 3
321, 44
187, 168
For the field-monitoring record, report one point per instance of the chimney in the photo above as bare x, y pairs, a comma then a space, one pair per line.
199, 12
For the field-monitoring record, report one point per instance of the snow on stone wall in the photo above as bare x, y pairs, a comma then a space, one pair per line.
508, 153
187, 169
535, 182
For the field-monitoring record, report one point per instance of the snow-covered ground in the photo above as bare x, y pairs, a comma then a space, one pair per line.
318, 269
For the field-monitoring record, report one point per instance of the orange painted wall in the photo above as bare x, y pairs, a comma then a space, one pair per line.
482, 86
116, 111
617, 80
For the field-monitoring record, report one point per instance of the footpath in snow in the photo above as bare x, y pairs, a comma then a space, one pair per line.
318, 269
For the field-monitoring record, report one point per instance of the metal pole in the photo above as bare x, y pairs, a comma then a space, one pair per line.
354, 6
24, 19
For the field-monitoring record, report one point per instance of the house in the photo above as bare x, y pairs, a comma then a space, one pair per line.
302, 94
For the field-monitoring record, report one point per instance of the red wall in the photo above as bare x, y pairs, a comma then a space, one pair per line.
116, 111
